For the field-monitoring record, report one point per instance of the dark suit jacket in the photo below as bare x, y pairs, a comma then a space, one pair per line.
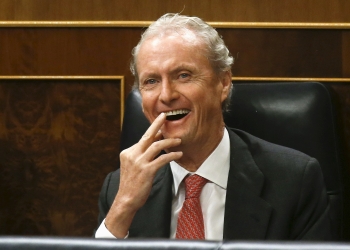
273, 193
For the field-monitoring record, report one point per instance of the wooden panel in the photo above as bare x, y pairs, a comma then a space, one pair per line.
58, 141
66, 51
346, 53
210, 10
107, 51
285, 53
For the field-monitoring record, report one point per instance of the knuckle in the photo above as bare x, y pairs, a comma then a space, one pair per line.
158, 145
124, 154
145, 137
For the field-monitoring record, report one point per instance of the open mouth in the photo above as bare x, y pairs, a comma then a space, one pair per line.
176, 114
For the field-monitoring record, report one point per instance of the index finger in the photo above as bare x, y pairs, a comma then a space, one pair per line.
154, 128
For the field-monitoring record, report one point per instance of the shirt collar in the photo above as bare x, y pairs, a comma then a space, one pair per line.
215, 168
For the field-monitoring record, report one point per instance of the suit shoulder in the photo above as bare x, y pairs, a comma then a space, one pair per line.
257, 144
271, 154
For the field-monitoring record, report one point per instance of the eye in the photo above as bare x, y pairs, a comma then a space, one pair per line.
184, 75
150, 81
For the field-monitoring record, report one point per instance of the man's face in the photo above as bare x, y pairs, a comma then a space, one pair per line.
177, 78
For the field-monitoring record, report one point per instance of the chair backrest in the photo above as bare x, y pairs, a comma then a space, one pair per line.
298, 115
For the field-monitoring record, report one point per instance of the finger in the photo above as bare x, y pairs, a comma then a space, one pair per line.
158, 146
166, 158
158, 136
153, 129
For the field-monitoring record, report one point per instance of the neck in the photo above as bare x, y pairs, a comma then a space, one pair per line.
194, 154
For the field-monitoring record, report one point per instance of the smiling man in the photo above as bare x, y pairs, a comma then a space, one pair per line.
211, 182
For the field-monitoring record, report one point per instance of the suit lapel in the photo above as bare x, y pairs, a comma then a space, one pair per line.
153, 219
246, 213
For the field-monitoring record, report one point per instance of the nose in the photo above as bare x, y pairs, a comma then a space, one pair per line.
168, 92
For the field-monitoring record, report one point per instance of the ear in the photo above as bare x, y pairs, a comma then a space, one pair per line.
226, 81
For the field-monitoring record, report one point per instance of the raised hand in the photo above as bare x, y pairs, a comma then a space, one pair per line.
138, 166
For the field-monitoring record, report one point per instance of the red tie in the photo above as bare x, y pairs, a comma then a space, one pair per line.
190, 223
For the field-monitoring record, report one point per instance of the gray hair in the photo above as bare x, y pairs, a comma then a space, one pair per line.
217, 52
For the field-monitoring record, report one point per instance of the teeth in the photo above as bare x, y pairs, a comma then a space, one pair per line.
177, 112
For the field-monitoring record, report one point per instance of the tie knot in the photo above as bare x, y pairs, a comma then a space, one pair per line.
194, 185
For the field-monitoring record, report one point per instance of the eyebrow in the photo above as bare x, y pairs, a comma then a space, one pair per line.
183, 67
147, 75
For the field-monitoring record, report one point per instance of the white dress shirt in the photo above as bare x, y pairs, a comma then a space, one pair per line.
215, 168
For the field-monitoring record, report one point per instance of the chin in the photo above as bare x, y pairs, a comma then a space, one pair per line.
173, 134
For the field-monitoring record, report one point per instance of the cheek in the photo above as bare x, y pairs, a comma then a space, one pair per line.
148, 108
